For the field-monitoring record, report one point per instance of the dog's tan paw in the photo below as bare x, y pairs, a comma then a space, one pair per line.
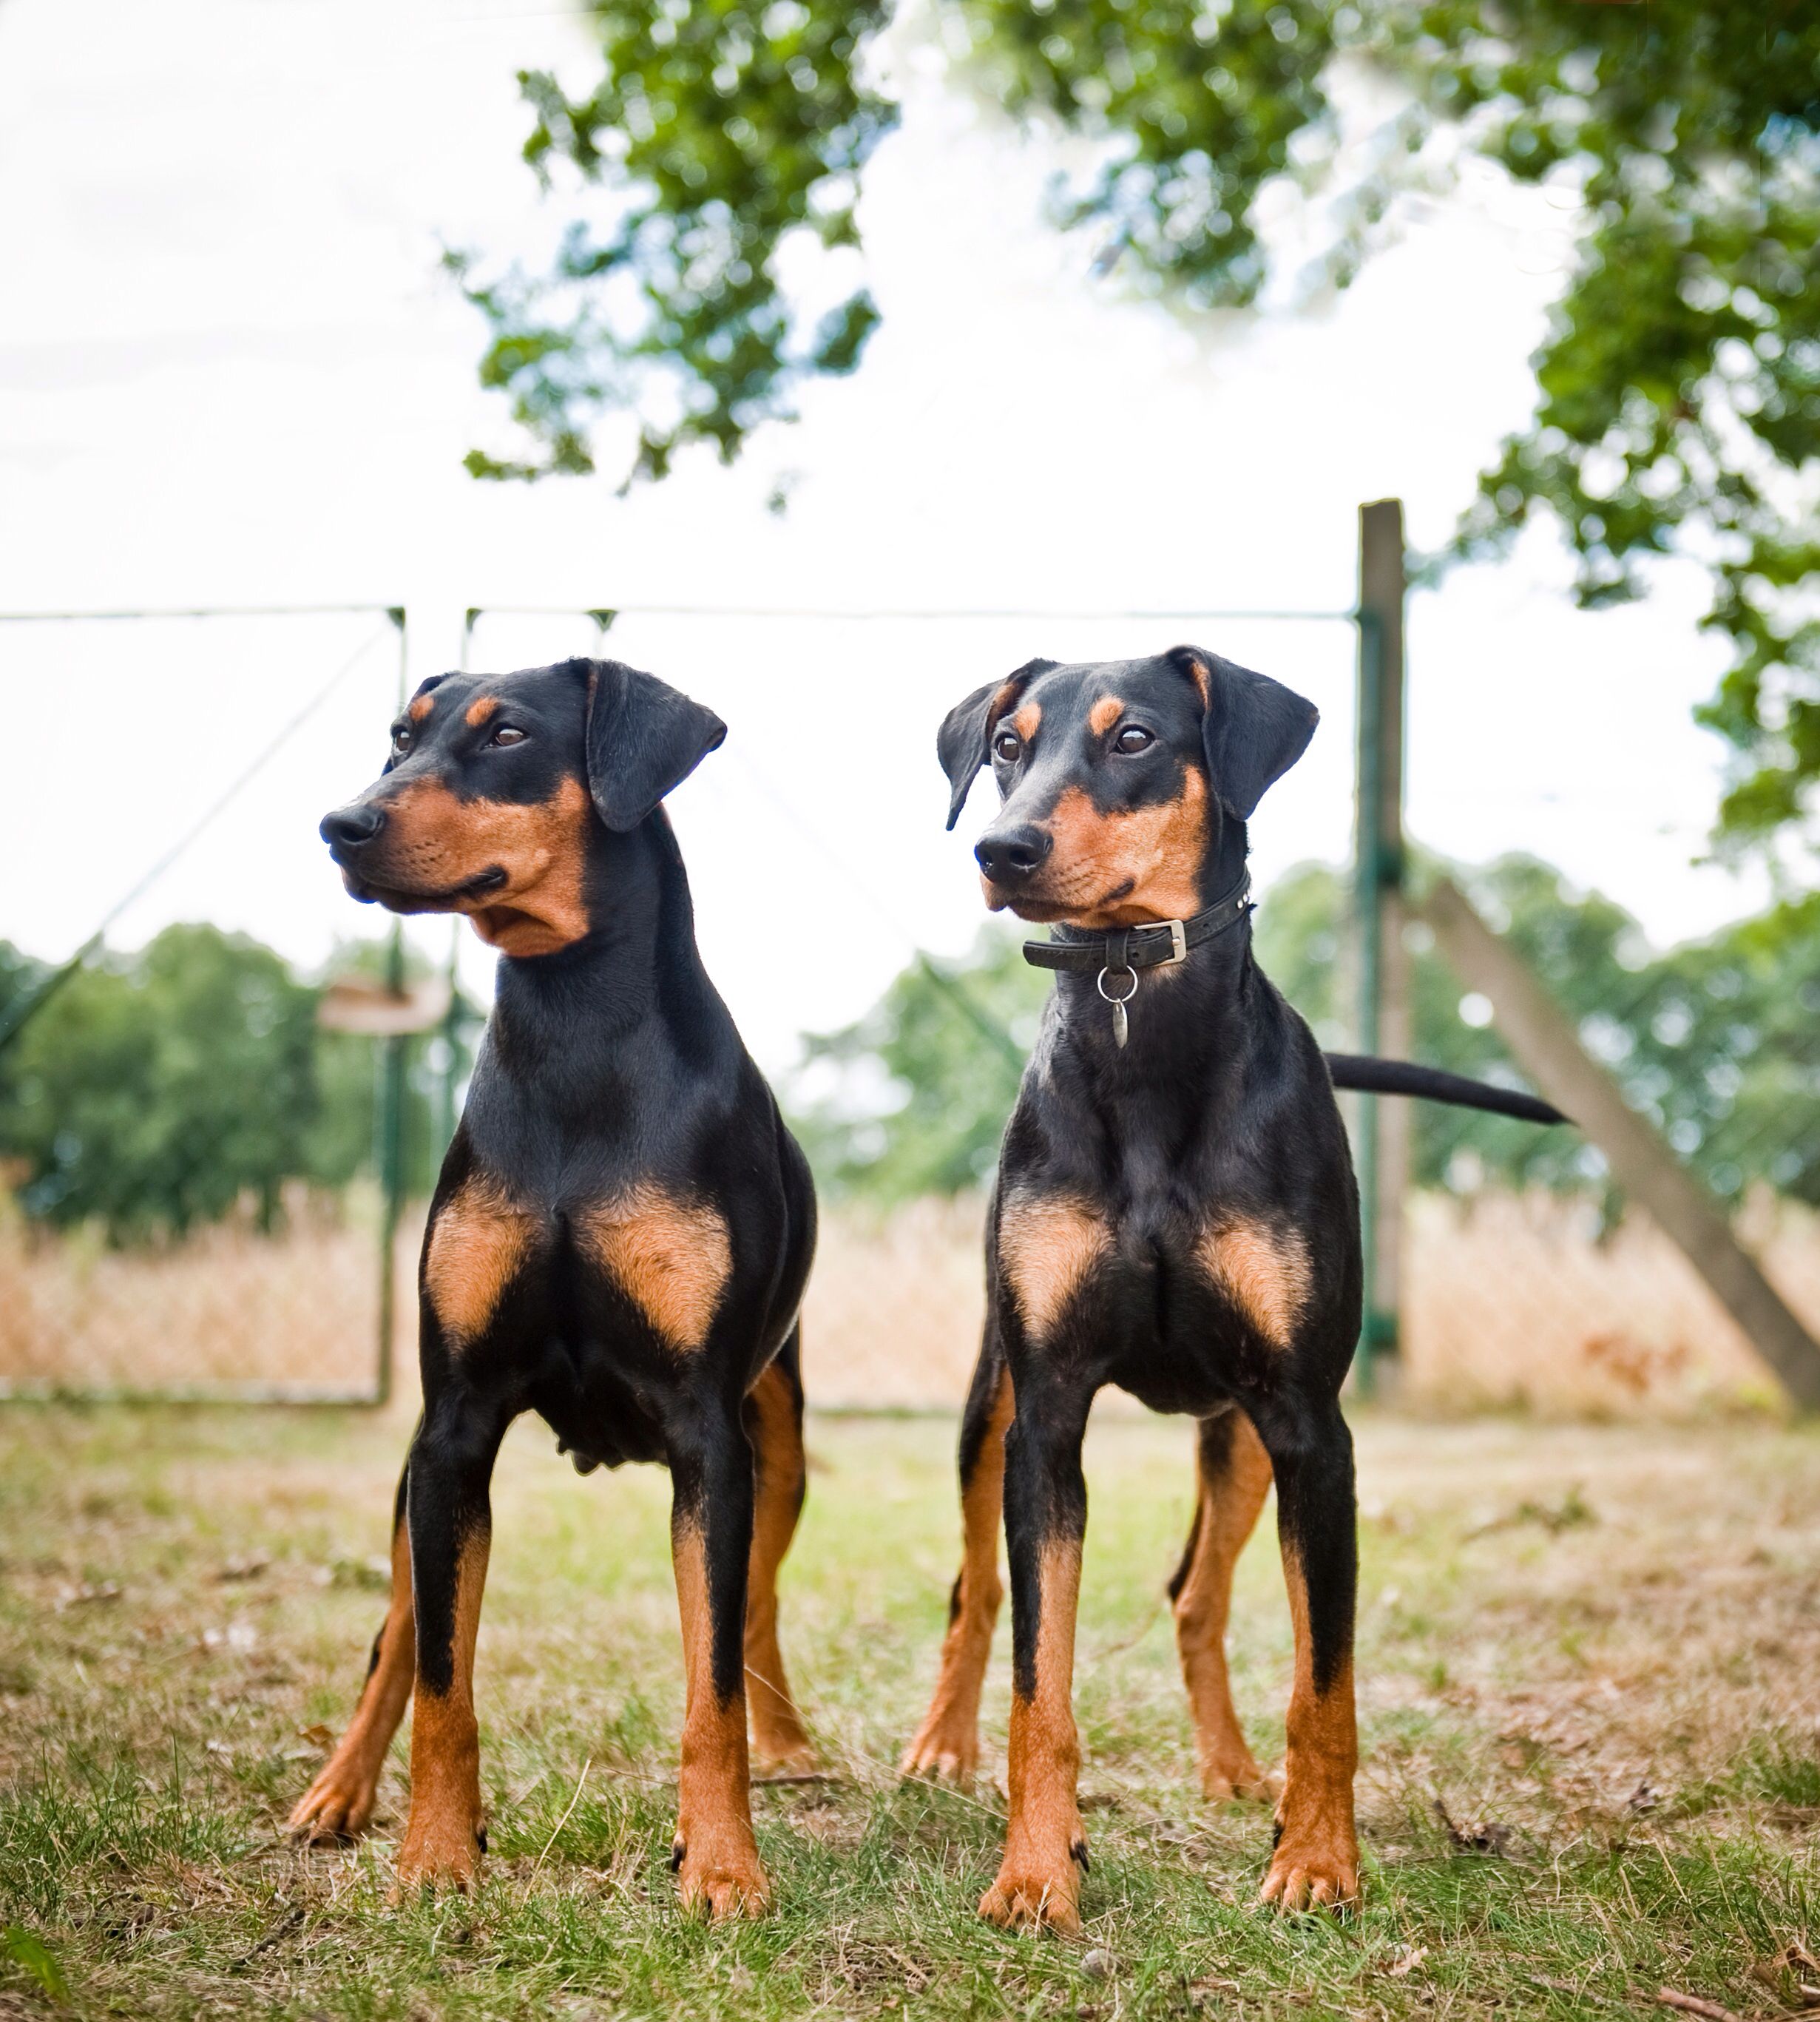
721, 1881
1027, 1898
1313, 1872
946, 1747
442, 1849
338, 1804
1238, 1779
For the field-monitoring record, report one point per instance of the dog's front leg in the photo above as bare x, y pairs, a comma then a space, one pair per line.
1316, 1862
450, 1516
1045, 1520
715, 1855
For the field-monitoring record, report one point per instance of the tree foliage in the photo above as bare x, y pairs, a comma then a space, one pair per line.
1679, 389
1715, 1041
175, 1085
728, 139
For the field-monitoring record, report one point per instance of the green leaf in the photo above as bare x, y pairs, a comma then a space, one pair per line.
29, 1951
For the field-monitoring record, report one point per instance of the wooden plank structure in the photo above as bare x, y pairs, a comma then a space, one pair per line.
1545, 1042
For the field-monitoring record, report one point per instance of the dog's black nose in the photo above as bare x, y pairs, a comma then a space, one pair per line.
1009, 854
348, 828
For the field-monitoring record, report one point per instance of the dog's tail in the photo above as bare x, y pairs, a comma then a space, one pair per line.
1364, 1071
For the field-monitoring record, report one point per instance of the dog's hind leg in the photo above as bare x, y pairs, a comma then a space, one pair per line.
339, 1802
774, 1424
1233, 1475
715, 1855
1316, 1861
947, 1744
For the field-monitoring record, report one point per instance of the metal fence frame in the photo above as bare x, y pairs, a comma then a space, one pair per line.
1376, 879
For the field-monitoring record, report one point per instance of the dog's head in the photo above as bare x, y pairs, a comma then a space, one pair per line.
1118, 779
498, 783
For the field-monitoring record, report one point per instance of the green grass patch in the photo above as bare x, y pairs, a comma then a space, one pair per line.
1590, 1759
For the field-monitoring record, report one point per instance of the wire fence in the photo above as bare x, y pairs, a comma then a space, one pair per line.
205, 1190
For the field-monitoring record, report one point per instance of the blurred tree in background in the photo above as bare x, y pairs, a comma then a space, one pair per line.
1717, 1042
1678, 389
912, 1099
175, 1085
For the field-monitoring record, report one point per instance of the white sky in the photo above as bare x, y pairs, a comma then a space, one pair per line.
230, 374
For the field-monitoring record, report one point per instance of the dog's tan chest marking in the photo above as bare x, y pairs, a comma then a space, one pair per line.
1047, 1245
1264, 1272
671, 1256
479, 1242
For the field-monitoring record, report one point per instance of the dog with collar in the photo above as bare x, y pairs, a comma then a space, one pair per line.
618, 1241
1175, 1215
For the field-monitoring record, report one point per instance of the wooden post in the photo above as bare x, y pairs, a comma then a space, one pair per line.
1383, 1016
1543, 1040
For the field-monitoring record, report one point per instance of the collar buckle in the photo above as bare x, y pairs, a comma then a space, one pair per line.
1178, 943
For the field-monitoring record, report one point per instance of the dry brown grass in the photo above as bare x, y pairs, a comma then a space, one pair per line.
1511, 1302
224, 1308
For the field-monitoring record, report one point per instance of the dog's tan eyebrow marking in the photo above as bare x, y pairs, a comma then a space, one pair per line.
1026, 721
421, 707
1104, 714
480, 710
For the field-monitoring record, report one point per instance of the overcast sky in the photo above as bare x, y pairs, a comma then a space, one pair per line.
231, 373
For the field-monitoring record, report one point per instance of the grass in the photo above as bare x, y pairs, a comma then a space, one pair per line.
1588, 1661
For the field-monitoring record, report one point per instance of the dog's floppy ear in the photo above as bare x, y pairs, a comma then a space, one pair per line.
644, 738
1252, 729
960, 742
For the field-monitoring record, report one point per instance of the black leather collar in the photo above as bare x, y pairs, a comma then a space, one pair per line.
1154, 947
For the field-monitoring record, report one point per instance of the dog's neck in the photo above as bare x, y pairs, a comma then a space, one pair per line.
637, 957
1188, 1021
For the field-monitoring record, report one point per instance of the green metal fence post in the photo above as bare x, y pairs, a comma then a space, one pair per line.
1383, 964
390, 1106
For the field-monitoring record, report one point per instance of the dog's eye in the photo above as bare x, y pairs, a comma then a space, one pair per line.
1133, 737
400, 741
1007, 746
505, 733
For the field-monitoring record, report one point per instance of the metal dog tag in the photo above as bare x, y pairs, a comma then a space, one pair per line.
1121, 1024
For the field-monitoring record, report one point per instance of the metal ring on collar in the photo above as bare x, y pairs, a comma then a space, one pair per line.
1099, 984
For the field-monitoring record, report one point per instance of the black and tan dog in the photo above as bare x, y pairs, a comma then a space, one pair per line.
1175, 1214
618, 1241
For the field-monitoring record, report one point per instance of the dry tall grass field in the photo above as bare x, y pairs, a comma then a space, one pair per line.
1589, 1667
1511, 1302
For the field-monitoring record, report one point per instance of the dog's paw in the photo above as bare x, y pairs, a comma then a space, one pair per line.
441, 1850
1026, 1897
337, 1805
780, 1748
720, 1882
946, 1747
1313, 1871
1238, 1779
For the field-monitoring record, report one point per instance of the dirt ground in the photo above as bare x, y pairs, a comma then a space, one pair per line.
1590, 1688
